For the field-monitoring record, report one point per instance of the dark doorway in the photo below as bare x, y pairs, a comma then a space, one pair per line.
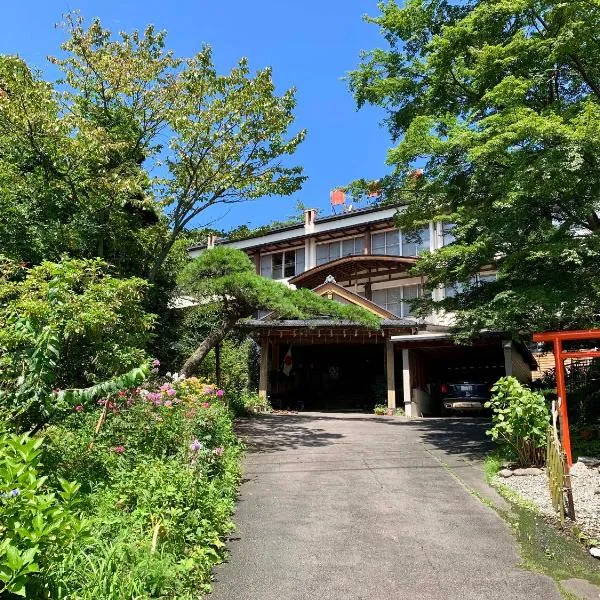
330, 377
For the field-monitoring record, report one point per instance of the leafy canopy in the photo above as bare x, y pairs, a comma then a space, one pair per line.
224, 283
132, 146
500, 102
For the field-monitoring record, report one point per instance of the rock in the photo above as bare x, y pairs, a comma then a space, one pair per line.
589, 461
528, 471
505, 473
595, 552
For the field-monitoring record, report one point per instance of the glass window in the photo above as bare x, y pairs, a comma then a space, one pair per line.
392, 243
396, 299
378, 243
277, 265
282, 264
335, 250
447, 236
300, 261
322, 253
347, 247
409, 292
416, 243
265, 266
289, 264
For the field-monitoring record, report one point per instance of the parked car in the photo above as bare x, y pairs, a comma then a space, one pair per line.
464, 396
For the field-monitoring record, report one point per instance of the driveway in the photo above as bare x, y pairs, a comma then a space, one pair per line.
352, 506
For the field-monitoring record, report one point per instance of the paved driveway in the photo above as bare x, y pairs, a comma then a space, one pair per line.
347, 506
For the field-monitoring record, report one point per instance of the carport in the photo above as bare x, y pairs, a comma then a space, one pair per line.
431, 358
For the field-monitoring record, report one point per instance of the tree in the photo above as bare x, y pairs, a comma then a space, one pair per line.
499, 101
62, 326
133, 146
224, 283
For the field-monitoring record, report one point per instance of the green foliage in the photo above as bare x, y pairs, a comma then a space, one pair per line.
158, 484
520, 420
224, 283
500, 103
226, 279
248, 402
38, 524
63, 325
380, 409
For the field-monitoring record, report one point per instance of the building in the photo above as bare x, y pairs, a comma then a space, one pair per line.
362, 258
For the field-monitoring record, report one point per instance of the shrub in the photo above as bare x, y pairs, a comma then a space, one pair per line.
380, 409
520, 419
65, 325
159, 481
38, 525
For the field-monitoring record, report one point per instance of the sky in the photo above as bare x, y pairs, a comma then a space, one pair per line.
310, 44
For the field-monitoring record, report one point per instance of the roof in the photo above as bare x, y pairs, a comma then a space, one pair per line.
298, 231
353, 267
315, 323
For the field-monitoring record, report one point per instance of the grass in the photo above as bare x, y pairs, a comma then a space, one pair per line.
543, 547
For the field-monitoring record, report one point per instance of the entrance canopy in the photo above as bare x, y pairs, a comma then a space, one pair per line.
354, 269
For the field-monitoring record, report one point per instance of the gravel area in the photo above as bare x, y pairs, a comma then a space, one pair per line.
585, 481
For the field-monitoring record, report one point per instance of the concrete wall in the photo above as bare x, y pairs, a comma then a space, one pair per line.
515, 364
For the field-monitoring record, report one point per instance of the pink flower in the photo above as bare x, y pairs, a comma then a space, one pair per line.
168, 403
164, 387
78, 408
205, 405
122, 393
195, 446
220, 393
118, 449
218, 451
171, 392
101, 402
156, 363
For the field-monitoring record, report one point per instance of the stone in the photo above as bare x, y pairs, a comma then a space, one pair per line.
595, 552
528, 471
589, 461
505, 473
581, 588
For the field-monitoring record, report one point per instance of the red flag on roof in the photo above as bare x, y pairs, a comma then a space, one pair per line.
337, 197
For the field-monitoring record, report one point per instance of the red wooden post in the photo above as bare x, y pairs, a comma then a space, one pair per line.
559, 363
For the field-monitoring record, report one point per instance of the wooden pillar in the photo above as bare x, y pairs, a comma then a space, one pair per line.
263, 380
390, 374
561, 388
406, 383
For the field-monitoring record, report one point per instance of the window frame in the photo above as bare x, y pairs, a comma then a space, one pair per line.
402, 301
284, 263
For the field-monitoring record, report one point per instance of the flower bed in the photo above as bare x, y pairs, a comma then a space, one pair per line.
158, 468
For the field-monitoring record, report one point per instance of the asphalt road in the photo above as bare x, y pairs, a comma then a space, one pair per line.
349, 506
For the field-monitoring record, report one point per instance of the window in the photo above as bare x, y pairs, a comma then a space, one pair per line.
334, 250
458, 288
395, 243
282, 264
447, 235
397, 299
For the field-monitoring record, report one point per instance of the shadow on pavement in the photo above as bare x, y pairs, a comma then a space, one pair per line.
275, 433
455, 436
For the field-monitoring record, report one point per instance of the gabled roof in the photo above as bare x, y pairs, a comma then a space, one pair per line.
333, 290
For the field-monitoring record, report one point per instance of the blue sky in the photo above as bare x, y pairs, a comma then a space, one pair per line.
310, 45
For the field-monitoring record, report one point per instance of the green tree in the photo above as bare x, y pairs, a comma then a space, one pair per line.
499, 101
132, 146
66, 325
224, 283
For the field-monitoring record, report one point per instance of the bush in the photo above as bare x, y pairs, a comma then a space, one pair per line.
380, 409
158, 486
520, 419
245, 402
38, 524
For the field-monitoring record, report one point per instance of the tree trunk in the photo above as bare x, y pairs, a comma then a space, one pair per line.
209, 342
